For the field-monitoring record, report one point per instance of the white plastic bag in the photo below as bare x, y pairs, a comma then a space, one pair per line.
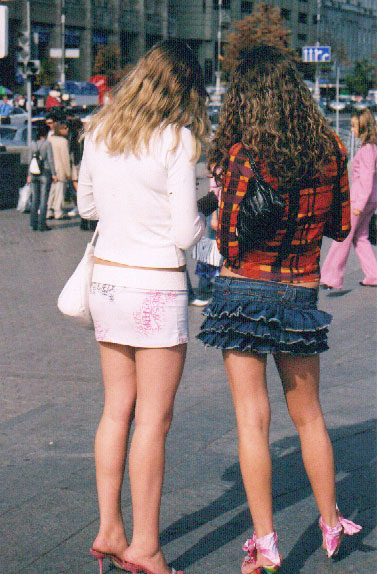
74, 298
24, 198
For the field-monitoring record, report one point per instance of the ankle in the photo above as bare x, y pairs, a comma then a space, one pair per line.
331, 518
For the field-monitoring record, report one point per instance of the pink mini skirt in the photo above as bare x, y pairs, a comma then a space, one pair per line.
139, 308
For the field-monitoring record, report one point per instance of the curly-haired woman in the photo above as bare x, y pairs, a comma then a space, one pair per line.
137, 178
363, 204
265, 299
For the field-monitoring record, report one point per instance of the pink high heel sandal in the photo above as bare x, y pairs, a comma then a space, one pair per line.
134, 568
267, 545
333, 536
101, 556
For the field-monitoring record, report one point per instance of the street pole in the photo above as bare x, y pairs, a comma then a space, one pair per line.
62, 61
28, 81
218, 71
317, 92
337, 98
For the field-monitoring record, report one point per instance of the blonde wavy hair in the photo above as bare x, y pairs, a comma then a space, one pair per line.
270, 110
166, 87
367, 126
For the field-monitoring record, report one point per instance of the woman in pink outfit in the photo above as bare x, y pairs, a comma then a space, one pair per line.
363, 205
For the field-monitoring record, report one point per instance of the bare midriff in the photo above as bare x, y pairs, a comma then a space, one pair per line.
225, 272
99, 261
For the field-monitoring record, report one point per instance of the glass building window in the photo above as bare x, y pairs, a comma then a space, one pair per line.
285, 13
246, 7
226, 4
302, 18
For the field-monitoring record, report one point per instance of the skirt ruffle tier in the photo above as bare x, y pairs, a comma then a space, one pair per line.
264, 325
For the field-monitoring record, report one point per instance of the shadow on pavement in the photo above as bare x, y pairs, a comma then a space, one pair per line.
354, 448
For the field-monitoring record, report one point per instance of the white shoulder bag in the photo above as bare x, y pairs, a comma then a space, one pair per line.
74, 299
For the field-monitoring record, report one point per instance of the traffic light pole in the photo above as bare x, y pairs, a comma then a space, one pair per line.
317, 91
62, 61
28, 83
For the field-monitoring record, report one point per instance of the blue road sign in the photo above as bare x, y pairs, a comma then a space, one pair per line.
316, 53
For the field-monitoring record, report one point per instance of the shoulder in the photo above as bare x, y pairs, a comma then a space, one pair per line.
341, 146
236, 150
172, 134
367, 152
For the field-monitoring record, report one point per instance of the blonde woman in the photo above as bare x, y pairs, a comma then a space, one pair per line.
363, 205
137, 178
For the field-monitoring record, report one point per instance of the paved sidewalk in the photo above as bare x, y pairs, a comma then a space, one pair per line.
52, 397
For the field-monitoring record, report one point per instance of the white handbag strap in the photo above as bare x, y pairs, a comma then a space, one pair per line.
93, 241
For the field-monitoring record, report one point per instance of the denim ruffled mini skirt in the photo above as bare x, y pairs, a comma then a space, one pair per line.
264, 317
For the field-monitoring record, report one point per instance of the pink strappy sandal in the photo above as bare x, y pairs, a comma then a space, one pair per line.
101, 556
267, 545
333, 536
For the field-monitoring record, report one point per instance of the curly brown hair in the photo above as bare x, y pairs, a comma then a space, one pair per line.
270, 110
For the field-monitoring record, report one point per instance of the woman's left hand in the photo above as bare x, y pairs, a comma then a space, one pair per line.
356, 211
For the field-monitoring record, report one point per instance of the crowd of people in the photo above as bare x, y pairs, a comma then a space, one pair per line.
58, 147
137, 178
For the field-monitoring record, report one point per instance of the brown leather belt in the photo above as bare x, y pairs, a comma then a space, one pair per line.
116, 264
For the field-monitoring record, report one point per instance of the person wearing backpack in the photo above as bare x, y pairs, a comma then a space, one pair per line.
41, 175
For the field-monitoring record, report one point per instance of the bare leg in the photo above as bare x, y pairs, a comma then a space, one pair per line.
247, 378
300, 378
119, 375
158, 374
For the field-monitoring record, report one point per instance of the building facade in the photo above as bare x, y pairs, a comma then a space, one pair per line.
134, 25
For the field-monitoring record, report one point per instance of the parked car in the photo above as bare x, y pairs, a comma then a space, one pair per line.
16, 136
82, 93
361, 105
18, 116
337, 105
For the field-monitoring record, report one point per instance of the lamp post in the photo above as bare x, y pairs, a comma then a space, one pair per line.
218, 70
317, 92
62, 32
28, 80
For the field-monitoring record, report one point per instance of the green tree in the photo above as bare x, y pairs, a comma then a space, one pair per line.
360, 80
46, 76
107, 62
264, 26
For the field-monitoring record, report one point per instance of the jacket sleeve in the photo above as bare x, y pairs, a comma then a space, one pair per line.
85, 198
187, 225
338, 219
362, 188
66, 159
50, 158
32, 150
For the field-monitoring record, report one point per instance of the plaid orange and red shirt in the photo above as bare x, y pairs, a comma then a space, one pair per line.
301, 265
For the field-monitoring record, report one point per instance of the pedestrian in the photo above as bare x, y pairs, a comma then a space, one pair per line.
5, 107
53, 99
51, 121
206, 270
60, 150
363, 206
265, 299
75, 151
41, 183
137, 178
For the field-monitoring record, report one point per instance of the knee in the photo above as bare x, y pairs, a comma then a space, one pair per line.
157, 424
306, 418
121, 412
253, 420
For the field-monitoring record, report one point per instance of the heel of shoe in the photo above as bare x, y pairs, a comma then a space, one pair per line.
99, 556
333, 536
269, 569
